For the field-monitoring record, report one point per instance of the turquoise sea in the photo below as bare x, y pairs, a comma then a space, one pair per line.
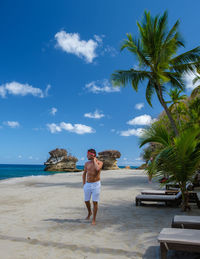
13, 171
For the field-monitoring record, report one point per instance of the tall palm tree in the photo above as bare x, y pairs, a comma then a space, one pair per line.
155, 50
178, 157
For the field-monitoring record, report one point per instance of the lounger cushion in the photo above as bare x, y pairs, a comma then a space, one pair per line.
180, 236
154, 191
156, 197
179, 219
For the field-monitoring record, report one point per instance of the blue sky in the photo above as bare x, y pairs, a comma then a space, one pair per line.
56, 59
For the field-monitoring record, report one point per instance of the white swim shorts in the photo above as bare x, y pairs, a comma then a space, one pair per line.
92, 189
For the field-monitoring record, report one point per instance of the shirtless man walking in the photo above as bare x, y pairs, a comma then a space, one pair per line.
91, 183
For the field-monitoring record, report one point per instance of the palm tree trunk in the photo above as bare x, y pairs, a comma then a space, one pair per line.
162, 101
185, 198
177, 115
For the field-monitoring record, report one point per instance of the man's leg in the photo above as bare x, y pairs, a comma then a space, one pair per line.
87, 203
95, 198
87, 196
95, 208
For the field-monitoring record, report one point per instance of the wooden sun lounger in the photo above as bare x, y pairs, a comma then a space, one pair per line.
168, 199
170, 186
179, 239
189, 222
166, 191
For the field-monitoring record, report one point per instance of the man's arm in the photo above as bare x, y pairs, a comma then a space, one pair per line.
98, 164
84, 174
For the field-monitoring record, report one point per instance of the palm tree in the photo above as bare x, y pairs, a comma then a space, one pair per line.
178, 157
155, 50
176, 99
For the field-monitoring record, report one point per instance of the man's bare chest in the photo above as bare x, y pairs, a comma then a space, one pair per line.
91, 169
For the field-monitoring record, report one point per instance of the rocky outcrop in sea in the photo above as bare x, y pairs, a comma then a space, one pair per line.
60, 161
109, 159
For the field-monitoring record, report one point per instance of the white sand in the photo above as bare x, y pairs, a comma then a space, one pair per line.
43, 217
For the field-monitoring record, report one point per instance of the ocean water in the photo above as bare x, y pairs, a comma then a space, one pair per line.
13, 171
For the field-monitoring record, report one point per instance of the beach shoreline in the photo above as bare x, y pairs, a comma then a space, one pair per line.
43, 217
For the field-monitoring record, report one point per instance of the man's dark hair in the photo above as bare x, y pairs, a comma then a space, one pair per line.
93, 151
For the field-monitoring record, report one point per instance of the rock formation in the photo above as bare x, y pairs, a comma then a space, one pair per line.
108, 157
60, 161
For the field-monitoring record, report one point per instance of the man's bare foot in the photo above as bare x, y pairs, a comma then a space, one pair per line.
89, 215
93, 223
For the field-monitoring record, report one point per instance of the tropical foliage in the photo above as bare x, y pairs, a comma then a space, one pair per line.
158, 65
178, 157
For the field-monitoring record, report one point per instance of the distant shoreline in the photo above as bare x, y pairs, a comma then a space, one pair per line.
9, 171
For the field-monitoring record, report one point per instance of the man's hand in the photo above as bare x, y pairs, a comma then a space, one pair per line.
98, 164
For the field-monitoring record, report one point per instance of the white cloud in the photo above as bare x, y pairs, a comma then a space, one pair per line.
103, 86
109, 50
54, 128
138, 159
112, 130
71, 43
30, 157
66, 126
132, 132
20, 156
98, 38
139, 106
95, 115
53, 111
15, 88
141, 120
2, 91
188, 78
47, 90
76, 128
12, 124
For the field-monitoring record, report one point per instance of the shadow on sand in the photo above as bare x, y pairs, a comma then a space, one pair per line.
72, 247
111, 183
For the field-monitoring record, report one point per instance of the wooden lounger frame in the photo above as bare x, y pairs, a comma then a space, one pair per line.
164, 247
170, 241
165, 198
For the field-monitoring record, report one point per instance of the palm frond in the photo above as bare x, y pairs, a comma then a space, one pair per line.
149, 92
123, 77
181, 159
171, 33
175, 79
155, 134
195, 91
185, 68
134, 46
196, 79
187, 57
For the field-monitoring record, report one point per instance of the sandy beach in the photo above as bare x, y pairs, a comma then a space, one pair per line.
43, 217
